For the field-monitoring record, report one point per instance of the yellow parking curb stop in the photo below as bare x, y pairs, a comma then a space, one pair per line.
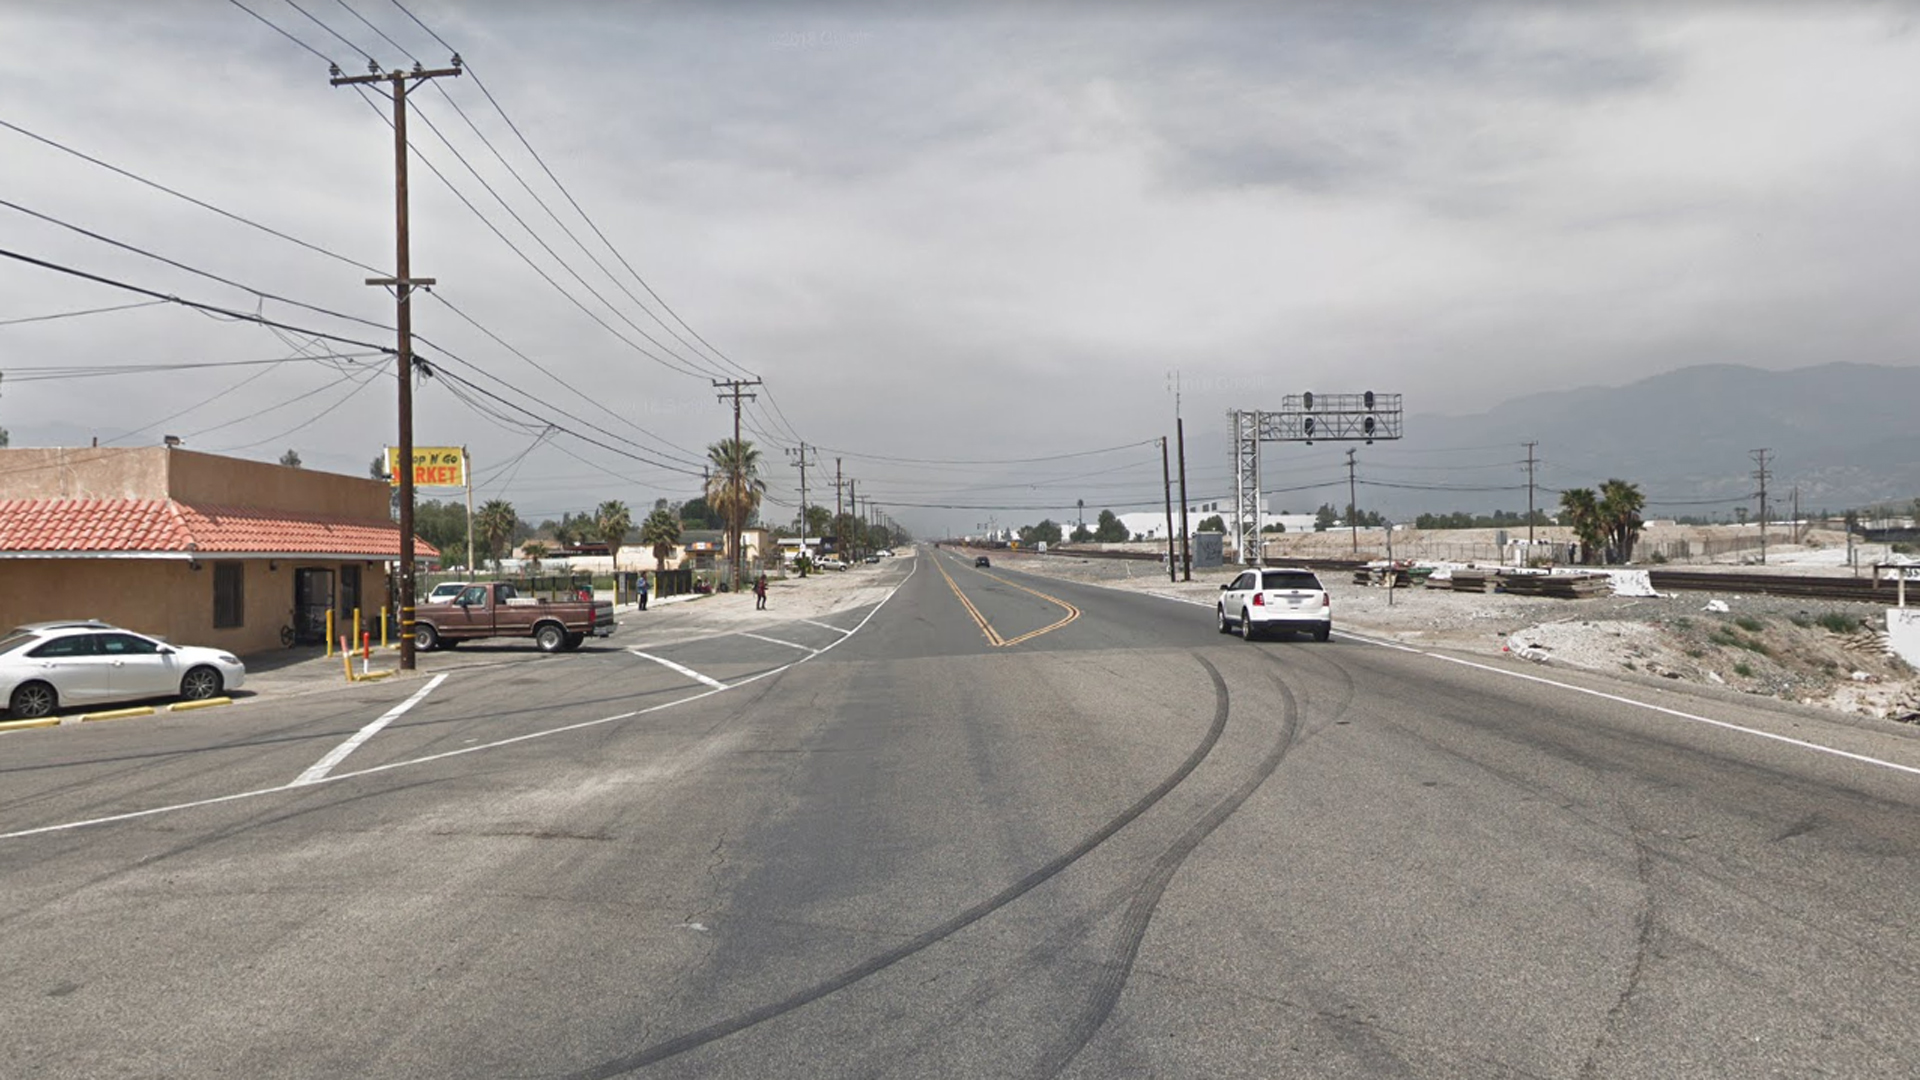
22, 725
203, 703
119, 714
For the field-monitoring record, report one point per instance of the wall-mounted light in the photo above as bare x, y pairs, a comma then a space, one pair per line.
193, 564
273, 564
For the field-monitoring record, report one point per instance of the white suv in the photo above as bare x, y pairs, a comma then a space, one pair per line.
1259, 602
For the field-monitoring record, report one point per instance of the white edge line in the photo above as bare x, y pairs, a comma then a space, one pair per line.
830, 626
777, 641
681, 668
216, 800
1724, 724
319, 770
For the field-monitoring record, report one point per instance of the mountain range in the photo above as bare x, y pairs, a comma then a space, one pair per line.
1845, 434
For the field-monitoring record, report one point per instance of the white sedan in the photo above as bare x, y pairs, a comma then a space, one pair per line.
47, 666
1259, 602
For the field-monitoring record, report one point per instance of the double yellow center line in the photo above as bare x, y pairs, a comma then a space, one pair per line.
993, 636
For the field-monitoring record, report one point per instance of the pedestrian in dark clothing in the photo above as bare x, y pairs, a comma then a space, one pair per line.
642, 594
760, 593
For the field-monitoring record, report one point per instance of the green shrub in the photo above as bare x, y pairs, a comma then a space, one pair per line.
1743, 669
1750, 624
1838, 623
1801, 619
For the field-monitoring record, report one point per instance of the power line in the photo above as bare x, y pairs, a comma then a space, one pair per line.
76, 314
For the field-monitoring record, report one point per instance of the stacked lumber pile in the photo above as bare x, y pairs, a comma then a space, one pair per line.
1558, 586
1473, 580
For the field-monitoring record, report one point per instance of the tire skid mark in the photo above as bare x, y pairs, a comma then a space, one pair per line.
933, 935
1140, 910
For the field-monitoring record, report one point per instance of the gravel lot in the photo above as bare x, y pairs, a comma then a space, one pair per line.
1825, 653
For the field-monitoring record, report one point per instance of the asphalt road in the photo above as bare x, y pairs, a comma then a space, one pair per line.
999, 825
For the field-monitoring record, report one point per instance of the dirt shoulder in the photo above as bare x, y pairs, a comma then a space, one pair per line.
1829, 654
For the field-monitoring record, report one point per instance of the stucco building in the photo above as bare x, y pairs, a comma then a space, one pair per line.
192, 547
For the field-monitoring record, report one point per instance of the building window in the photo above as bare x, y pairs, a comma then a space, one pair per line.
229, 595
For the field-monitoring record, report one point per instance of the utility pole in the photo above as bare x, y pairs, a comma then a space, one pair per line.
1531, 462
736, 467
853, 517
1353, 506
1796, 515
800, 458
1760, 456
402, 283
1166, 488
1180, 432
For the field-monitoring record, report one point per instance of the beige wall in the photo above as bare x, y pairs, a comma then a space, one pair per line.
157, 472
169, 599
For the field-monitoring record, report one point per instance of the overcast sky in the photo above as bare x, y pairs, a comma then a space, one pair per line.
985, 234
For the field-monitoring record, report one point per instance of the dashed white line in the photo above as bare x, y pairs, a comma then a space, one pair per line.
777, 641
681, 668
325, 765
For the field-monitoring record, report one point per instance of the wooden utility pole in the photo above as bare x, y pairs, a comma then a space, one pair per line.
1186, 536
1353, 506
402, 283
737, 468
1530, 464
800, 458
1166, 488
1760, 456
853, 519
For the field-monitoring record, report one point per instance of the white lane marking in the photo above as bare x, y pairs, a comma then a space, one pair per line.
425, 759
829, 626
1724, 724
777, 641
325, 765
681, 668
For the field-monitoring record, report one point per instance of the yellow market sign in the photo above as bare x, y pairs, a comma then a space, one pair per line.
433, 466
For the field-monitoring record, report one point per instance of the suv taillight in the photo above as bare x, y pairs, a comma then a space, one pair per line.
1259, 599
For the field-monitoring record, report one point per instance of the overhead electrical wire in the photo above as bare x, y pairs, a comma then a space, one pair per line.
76, 314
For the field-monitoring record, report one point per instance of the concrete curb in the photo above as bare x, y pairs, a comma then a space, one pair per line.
203, 703
119, 714
22, 725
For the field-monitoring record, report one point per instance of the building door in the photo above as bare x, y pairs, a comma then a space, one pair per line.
312, 599
350, 591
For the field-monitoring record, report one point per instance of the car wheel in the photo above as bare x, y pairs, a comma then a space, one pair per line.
33, 700
1221, 612
201, 683
1323, 632
550, 638
425, 637
1247, 631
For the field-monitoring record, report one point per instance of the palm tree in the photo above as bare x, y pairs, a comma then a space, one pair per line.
1619, 510
1582, 511
496, 523
661, 531
733, 490
612, 522
534, 550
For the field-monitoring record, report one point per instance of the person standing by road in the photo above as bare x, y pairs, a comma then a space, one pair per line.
760, 593
641, 593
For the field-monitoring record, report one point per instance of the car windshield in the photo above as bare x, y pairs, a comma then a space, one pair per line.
1290, 579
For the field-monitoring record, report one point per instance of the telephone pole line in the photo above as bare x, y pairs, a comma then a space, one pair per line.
1531, 462
402, 283
736, 468
1353, 506
1180, 436
1166, 488
800, 458
1760, 456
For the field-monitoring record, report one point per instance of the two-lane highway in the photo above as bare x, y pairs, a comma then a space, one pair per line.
999, 825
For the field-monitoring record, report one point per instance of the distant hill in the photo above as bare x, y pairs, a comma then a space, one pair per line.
1847, 434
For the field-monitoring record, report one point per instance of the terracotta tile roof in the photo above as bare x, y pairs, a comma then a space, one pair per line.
165, 525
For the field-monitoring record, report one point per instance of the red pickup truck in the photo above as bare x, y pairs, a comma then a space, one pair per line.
496, 609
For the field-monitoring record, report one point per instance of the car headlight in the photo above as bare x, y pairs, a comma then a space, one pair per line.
225, 659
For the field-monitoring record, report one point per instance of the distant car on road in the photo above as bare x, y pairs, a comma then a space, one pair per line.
871, 559
46, 666
444, 592
1261, 602
982, 560
831, 563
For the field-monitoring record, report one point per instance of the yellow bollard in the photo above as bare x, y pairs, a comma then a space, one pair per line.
346, 657
383, 628
356, 627
329, 631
